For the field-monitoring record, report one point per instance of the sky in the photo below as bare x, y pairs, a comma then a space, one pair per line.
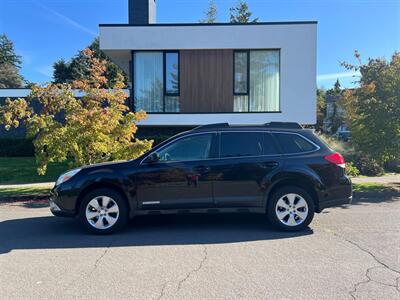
44, 31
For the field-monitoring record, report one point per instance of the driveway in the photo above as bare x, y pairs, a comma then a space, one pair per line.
347, 253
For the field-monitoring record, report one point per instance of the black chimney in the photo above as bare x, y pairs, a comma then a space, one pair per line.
142, 11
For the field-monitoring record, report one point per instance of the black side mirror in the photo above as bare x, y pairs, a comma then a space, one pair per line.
153, 158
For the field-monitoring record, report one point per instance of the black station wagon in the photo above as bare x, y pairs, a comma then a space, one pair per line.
277, 169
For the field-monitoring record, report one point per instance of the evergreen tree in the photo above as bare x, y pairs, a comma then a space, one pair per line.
10, 63
321, 109
78, 68
241, 14
336, 118
210, 13
62, 72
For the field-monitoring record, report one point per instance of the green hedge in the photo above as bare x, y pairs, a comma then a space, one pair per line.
16, 147
10, 147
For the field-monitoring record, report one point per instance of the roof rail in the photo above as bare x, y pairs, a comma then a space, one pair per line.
209, 126
283, 125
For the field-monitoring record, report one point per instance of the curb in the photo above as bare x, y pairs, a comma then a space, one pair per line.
10, 199
375, 194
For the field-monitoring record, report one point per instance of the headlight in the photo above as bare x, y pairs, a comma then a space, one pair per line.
67, 176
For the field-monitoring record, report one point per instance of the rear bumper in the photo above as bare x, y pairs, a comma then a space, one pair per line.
337, 195
335, 202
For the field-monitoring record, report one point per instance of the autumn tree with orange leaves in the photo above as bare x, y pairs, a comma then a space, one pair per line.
95, 128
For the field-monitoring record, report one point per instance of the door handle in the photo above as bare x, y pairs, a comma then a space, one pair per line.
201, 169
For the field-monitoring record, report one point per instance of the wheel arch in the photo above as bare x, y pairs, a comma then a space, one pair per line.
97, 186
298, 181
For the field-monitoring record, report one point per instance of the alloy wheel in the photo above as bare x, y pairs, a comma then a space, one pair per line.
291, 209
102, 212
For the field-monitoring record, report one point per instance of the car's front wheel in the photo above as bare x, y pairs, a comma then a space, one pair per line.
103, 211
290, 209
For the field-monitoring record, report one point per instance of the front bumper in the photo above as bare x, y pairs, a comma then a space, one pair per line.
62, 203
57, 211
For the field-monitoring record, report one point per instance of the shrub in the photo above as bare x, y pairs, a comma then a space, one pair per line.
16, 147
352, 170
342, 147
367, 165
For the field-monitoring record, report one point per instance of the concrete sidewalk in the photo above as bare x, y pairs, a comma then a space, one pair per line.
386, 180
27, 185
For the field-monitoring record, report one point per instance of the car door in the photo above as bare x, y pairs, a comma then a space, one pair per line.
246, 159
181, 177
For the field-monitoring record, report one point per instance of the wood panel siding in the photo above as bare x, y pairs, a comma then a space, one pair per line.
206, 81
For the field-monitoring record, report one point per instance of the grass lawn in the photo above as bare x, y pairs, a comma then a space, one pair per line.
372, 187
23, 192
23, 170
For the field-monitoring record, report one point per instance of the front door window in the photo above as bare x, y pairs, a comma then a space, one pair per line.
191, 148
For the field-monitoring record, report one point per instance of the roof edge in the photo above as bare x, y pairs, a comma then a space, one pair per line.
209, 24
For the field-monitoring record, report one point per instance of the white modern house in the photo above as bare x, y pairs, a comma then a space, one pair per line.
193, 74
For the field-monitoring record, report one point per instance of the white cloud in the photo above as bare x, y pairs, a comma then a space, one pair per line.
67, 20
45, 70
334, 76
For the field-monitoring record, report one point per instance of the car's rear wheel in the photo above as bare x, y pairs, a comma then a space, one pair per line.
103, 211
290, 209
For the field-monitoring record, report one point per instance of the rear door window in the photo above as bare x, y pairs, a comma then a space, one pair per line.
293, 143
237, 144
269, 145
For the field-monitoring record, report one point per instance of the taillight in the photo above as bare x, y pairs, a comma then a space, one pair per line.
336, 158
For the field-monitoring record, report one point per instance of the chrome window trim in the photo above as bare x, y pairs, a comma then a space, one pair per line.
236, 157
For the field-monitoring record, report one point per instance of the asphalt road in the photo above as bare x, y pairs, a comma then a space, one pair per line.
347, 253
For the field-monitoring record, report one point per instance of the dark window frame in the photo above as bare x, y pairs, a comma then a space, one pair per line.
246, 93
165, 94
165, 73
248, 51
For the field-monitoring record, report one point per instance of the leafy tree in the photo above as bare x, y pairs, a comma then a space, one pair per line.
210, 13
10, 63
97, 127
373, 109
78, 67
241, 14
321, 109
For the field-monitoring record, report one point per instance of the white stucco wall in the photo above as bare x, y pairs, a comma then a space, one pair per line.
297, 42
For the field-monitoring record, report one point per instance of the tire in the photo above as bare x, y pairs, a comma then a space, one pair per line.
290, 209
101, 219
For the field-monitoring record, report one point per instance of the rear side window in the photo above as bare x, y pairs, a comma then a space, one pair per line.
235, 144
293, 143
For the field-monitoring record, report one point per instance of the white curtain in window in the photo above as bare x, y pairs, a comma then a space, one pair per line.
171, 103
264, 80
148, 83
241, 103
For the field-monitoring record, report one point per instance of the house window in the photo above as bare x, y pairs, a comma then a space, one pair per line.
241, 68
156, 81
171, 73
256, 81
